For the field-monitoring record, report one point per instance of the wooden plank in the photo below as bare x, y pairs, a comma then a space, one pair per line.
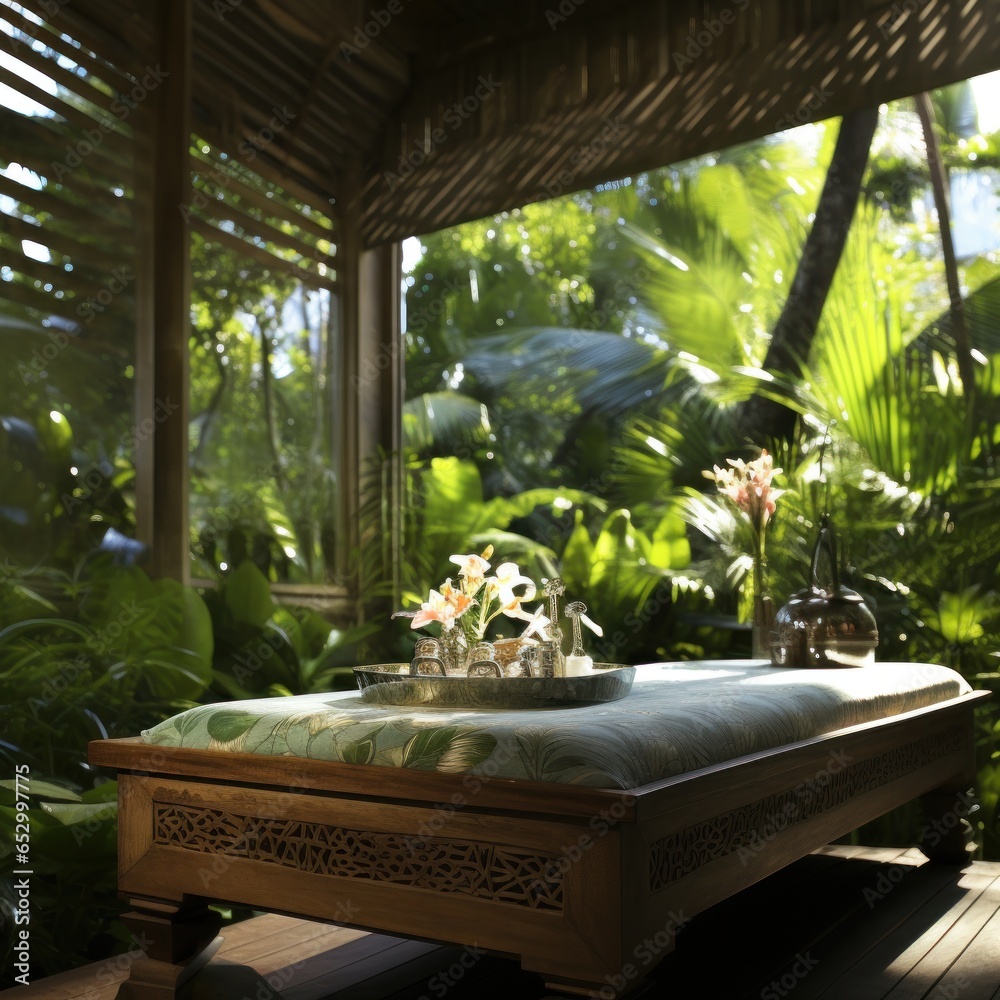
297, 939
921, 979
889, 897
406, 964
974, 975
766, 924
383, 783
92, 982
357, 964
304, 939
773, 925
894, 956
267, 944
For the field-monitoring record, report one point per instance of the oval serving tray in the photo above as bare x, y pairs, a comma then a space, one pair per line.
392, 684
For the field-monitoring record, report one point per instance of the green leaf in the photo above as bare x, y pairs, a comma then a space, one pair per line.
248, 595
361, 750
227, 725
82, 812
670, 546
960, 616
424, 750
578, 557
42, 789
465, 752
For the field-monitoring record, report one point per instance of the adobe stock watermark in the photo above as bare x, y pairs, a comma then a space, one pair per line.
115, 968
645, 954
129, 441
816, 98
60, 338
248, 150
442, 982
565, 10
791, 811
121, 108
931, 836
366, 33
473, 783
799, 968
702, 39
581, 157
223, 8
454, 118
897, 14
600, 825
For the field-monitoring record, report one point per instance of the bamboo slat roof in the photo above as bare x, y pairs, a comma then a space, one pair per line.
424, 113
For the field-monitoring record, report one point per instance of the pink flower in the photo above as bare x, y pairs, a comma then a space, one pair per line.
748, 486
441, 609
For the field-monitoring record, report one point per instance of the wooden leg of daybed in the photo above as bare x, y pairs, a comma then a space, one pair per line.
947, 836
633, 989
177, 938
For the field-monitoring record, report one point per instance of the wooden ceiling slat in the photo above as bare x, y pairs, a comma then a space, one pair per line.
98, 217
59, 243
316, 195
81, 282
224, 211
382, 59
55, 40
541, 130
44, 302
120, 34
70, 112
57, 44
254, 117
214, 235
275, 207
667, 115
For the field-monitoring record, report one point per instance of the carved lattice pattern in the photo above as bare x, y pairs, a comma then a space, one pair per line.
750, 828
487, 871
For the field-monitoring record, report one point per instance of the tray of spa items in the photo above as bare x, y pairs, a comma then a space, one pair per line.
516, 673
418, 683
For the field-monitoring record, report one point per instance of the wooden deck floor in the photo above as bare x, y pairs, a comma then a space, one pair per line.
843, 924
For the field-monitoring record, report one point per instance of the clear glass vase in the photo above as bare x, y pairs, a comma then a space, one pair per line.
763, 607
454, 651
760, 629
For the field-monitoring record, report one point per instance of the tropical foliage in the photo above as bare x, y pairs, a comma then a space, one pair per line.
618, 360
572, 367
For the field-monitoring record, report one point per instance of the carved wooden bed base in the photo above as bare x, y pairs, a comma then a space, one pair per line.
587, 887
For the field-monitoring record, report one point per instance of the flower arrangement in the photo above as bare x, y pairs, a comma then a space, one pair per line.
748, 485
478, 599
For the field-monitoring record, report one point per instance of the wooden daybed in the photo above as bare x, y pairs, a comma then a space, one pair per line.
588, 886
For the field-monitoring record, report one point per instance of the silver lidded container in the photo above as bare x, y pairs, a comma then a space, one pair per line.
824, 626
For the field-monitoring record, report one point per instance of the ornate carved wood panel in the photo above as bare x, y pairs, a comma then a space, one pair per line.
748, 829
487, 871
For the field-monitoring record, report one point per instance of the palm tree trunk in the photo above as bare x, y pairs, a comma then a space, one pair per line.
764, 419
939, 185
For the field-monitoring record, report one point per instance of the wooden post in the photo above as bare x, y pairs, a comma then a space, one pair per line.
162, 426
948, 837
373, 374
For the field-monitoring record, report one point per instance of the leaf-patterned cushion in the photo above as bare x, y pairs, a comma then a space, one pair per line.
678, 717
